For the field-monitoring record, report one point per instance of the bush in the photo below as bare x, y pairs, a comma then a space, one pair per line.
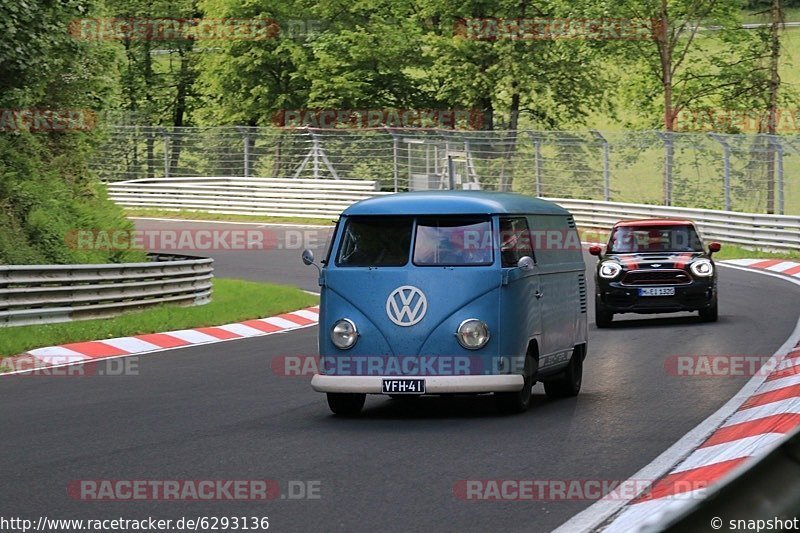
46, 194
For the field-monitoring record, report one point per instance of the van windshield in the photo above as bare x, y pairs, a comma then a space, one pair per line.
375, 242
450, 241
385, 241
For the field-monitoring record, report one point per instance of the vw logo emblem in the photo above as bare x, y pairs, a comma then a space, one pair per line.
406, 305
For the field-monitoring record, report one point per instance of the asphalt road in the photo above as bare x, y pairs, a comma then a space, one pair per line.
220, 412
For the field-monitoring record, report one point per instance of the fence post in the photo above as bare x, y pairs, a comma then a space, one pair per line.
246, 138
165, 134
775, 141
669, 153
726, 178
316, 145
538, 165
395, 157
606, 167
451, 172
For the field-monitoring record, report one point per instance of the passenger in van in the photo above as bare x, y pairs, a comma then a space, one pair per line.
452, 242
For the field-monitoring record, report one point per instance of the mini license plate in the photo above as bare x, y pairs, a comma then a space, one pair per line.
657, 291
403, 386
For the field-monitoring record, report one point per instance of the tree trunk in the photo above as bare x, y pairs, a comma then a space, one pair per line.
776, 17
179, 113
506, 179
665, 54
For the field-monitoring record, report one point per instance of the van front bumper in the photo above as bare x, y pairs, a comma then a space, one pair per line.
433, 384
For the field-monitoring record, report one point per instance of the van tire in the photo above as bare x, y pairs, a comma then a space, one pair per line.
711, 314
346, 404
568, 383
602, 317
519, 401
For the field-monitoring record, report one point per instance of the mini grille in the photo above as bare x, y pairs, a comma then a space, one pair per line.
655, 277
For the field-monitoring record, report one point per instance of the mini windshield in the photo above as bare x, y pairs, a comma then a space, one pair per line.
667, 238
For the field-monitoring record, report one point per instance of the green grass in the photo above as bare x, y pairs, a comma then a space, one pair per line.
199, 215
232, 301
732, 251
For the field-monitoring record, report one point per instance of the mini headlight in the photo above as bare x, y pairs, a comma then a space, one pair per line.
472, 334
610, 269
702, 268
344, 334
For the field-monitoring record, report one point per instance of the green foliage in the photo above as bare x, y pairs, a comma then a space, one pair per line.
46, 189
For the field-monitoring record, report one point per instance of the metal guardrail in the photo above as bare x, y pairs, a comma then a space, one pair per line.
761, 490
41, 294
749, 229
326, 198
309, 198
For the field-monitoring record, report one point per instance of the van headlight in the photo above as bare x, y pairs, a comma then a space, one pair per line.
702, 268
610, 269
344, 334
472, 334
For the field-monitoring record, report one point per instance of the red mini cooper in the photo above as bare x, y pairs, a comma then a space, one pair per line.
655, 266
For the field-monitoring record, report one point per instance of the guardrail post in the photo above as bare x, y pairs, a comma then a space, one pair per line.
606, 167
726, 177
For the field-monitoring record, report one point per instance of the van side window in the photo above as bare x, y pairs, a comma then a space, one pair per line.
515, 240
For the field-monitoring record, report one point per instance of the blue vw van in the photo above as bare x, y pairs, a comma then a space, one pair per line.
451, 292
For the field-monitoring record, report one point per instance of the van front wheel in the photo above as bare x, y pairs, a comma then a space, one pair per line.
569, 382
346, 404
520, 401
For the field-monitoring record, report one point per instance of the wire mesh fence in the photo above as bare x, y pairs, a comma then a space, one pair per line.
746, 172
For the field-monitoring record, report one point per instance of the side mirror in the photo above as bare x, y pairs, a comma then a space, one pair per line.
714, 247
595, 250
308, 257
525, 263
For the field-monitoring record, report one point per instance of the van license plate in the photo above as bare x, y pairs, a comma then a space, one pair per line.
403, 386
657, 291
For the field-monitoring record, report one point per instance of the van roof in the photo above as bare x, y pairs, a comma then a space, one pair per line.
453, 203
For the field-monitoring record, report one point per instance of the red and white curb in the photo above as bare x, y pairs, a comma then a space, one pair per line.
748, 426
769, 414
79, 352
778, 266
